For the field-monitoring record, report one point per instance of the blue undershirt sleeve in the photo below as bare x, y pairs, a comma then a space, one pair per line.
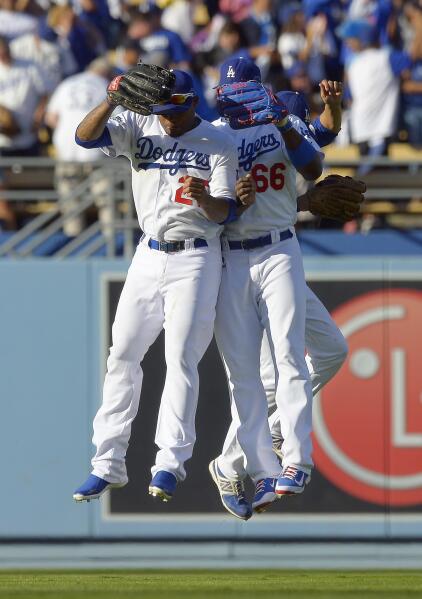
323, 136
399, 62
100, 142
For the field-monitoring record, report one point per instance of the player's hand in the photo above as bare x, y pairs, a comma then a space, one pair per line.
196, 188
331, 92
246, 190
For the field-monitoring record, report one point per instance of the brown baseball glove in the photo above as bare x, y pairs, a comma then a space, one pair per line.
336, 197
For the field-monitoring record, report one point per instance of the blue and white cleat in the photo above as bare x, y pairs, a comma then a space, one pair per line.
265, 494
93, 488
292, 481
163, 485
232, 493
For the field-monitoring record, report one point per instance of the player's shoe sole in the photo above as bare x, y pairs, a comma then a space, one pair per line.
159, 493
79, 497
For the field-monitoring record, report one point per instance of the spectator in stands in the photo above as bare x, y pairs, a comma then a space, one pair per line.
83, 39
235, 10
412, 103
292, 41
45, 54
373, 76
14, 23
127, 55
23, 92
178, 16
231, 44
260, 30
96, 14
412, 81
157, 45
72, 100
23, 96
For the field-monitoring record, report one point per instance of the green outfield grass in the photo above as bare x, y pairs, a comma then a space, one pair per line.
245, 584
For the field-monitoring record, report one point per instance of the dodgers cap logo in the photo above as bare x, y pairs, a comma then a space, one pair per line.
239, 69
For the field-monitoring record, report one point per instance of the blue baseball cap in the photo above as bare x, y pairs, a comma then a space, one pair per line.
239, 69
361, 30
296, 104
183, 85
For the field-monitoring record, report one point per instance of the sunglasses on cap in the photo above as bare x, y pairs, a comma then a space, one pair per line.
181, 98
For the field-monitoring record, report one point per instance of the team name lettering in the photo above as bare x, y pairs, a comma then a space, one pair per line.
249, 152
173, 158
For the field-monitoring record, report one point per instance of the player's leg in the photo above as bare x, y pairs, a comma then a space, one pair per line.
138, 321
326, 352
238, 333
283, 310
190, 290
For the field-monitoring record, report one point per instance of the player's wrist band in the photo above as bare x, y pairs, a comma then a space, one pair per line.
285, 125
303, 154
232, 215
100, 142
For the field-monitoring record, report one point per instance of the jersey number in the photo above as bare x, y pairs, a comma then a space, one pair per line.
180, 198
264, 176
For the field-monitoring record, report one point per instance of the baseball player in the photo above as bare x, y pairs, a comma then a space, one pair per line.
263, 288
326, 346
183, 177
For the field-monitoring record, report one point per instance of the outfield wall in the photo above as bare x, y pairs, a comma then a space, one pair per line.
54, 334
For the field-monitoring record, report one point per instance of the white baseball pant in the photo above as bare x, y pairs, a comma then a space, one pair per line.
326, 352
178, 292
265, 289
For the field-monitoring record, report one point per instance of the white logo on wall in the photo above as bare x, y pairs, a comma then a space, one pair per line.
230, 72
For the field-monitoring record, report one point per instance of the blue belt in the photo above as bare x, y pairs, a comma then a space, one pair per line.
258, 242
174, 246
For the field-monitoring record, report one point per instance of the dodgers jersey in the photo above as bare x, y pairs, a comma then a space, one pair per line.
261, 152
160, 164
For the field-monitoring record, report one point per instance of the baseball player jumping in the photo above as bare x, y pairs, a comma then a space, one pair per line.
326, 346
263, 288
183, 177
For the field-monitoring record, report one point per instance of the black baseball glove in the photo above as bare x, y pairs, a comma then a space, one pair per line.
140, 87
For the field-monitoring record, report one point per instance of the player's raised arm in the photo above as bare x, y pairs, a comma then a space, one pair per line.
331, 95
137, 90
92, 127
305, 158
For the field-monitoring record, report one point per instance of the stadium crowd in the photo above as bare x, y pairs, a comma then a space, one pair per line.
54, 53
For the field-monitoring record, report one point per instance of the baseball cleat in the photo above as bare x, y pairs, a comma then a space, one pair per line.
292, 481
265, 494
277, 447
163, 485
93, 488
232, 493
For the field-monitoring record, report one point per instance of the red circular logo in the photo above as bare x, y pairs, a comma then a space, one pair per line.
368, 420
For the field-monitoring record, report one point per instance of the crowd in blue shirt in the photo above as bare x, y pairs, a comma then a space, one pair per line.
295, 43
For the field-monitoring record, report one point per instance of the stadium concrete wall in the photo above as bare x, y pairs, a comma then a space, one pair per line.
54, 333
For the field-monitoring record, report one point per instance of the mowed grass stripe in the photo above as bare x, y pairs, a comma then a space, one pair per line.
247, 584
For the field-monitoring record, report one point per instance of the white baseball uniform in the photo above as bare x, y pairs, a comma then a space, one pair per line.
176, 291
326, 351
265, 289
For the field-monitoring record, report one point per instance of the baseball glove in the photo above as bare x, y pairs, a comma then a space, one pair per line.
140, 87
248, 104
336, 197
